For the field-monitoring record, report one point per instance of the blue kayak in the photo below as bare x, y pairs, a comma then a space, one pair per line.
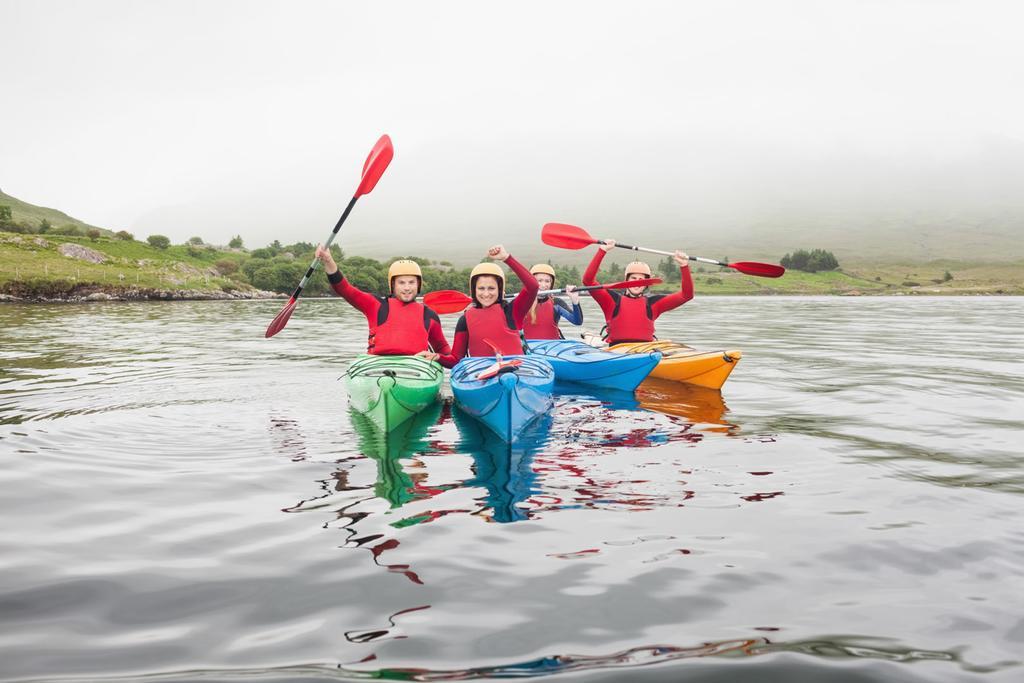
577, 361
509, 401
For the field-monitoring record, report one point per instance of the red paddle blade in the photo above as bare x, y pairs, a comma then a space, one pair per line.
498, 367
281, 319
446, 301
565, 236
759, 269
380, 156
634, 283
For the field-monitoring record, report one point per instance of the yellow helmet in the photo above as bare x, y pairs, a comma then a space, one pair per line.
637, 267
404, 267
487, 269
543, 268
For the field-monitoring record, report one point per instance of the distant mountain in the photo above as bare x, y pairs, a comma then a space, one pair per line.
23, 212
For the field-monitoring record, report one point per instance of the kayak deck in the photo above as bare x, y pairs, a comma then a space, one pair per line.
577, 361
508, 401
681, 363
391, 389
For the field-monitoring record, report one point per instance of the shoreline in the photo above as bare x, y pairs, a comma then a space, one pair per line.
81, 294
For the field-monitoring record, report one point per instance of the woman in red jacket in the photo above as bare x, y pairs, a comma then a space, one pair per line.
542, 319
630, 317
490, 317
399, 325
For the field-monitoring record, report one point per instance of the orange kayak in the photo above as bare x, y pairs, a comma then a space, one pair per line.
681, 363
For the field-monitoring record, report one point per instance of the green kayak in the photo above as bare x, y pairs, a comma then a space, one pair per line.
391, 389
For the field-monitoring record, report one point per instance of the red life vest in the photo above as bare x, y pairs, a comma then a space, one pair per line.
401, 329
631, 321
495, 323
545, 327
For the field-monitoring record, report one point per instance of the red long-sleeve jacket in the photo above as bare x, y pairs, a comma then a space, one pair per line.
407, 340
515, 311
656, 304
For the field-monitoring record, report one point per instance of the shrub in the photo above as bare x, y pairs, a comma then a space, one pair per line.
226, 266
198, 241
712, 280
93, 234
810, 261
236, 242
947, 276
159, 241
911, 283
124, 235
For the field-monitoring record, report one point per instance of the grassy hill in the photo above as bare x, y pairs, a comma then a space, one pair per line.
33, 266
25, 213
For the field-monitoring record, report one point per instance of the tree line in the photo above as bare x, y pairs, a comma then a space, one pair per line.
810, 261
278, 267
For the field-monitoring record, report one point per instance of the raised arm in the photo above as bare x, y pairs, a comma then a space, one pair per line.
601, 296
572, 315
527, 295
364, 301
676, 299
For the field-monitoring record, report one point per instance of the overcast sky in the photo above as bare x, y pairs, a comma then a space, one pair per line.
213, 118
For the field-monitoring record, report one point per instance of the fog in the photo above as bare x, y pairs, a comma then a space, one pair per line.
690, 124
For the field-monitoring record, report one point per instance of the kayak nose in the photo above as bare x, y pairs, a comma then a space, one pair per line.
509, 379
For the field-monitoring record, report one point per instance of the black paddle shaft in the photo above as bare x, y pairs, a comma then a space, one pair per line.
316, 262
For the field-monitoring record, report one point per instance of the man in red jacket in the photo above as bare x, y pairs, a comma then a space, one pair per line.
399, 325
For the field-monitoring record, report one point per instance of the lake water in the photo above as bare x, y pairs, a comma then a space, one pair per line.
182, 499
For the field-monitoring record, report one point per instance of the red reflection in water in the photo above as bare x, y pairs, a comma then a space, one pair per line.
758, 497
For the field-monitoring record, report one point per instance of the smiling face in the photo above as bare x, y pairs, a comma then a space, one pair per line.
636, 291
405, 287
486, 290
545, 281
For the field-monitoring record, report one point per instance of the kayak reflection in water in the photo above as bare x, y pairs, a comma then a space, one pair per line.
505, 470
630, 317
490, 317
547, 310
388, 451
399, 325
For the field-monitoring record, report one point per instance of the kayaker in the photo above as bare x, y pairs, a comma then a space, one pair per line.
490, 316
630, 317
542, 320
399, 325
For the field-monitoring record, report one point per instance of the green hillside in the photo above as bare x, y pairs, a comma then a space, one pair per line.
33, 266
32, 215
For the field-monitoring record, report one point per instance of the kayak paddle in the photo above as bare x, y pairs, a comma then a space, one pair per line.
566, 236
373, 168
445, 301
